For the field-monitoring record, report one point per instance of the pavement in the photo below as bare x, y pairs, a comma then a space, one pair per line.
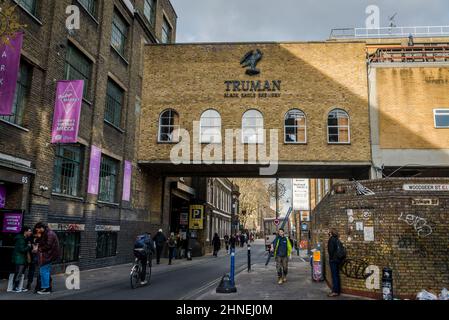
191, 280
262, 284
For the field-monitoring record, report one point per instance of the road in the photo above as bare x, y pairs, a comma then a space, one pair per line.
178, 283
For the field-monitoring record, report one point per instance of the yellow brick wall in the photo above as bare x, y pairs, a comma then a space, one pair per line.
316, 78
406, 98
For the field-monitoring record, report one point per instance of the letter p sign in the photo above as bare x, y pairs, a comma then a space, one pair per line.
72, 281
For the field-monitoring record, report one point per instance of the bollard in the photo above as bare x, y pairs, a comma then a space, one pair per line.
232, 275
249, 258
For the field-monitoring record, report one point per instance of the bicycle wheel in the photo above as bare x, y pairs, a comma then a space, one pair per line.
134, 277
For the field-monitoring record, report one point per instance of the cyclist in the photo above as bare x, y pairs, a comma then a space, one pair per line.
143, 250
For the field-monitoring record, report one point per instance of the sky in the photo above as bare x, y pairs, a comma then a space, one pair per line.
294, 20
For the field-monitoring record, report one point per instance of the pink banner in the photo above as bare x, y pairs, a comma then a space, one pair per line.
9, 72
94, 171
66, 119
127, 181
12, 222
2, 196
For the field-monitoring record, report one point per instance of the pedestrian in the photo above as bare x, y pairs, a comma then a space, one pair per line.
237, 240
282, 249
337, 254
178, 247
226, 239
49, 253
20, 257
242, 240
33, 259
216, 242
159, 240
171, 248
297, 247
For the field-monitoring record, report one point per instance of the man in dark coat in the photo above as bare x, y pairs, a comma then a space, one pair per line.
334, 262
216, 242
160, 240
48, 254
20, 257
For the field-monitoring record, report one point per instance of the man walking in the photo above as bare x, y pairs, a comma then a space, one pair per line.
160, 240
48, 254
282, 249
171, 248
226, 239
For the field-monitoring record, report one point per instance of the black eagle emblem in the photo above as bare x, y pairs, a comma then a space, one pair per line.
250, 61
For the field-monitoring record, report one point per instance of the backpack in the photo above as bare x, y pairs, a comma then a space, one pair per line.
140, 242
341, 251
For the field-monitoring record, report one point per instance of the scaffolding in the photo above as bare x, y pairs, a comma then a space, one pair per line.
411, 54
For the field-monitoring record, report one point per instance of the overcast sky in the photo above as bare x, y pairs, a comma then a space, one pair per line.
294, 20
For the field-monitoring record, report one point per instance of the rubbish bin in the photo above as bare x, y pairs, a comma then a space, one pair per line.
387, 284
316, 261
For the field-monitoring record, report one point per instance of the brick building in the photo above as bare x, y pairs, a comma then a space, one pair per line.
49, 182
403, 226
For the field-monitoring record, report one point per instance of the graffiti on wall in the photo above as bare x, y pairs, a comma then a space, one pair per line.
421, 225
355, 269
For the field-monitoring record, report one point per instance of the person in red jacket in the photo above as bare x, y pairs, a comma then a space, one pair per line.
49, 253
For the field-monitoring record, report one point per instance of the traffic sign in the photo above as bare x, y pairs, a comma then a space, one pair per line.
277, 222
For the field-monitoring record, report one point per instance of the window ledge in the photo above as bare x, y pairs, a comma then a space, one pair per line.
36, 19
111, 204
88, 12
114, 126
61, 195
14, 125
120, 55
339, 143
168, 142
296, 143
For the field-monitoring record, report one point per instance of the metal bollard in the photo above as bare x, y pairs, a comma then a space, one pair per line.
232, 276
249, 258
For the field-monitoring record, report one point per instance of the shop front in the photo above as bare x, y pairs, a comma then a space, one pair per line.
14, 197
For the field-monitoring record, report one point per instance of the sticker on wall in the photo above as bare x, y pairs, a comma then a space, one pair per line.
373, 281
359, 226
369, 234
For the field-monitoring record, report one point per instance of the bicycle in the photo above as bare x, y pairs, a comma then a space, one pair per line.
136, 270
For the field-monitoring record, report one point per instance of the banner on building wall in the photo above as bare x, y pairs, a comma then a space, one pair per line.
127, 181
2, 197
66, 118
9, 72
12, 222
196, 217
94, 171
301, 194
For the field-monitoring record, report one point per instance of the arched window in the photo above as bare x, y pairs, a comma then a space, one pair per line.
168, 123
338, 127
252, 127
210, 127
295, 127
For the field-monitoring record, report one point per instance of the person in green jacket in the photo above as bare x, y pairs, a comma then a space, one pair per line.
282, 249
20, 257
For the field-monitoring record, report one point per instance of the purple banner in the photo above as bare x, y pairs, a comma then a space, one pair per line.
66, 119
127, 181
2, 196
9, 72
94, 171
12, 222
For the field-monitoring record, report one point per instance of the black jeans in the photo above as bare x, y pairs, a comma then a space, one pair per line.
171, 253
335, 270
20, 270
143, 261
158, 253
31, 271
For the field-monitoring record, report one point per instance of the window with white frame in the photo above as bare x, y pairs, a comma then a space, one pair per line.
169, 126
210, 127
295, 127
253, 127
441, 117
338, 127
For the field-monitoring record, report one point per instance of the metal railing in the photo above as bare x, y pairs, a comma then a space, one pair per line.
408, 54
390, 32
